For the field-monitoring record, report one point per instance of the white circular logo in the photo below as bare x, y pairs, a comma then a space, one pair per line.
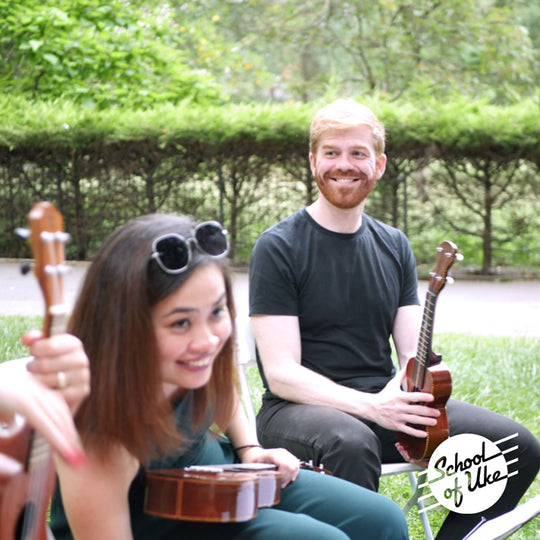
467, 473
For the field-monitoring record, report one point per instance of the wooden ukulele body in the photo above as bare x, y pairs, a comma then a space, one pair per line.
17, 503
437, 381
211, 494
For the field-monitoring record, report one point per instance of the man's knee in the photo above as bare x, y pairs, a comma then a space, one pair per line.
357, 444
352, 455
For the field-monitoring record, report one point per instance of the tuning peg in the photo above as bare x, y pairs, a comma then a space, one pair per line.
23, 233
450, 280
25, 268
459, 256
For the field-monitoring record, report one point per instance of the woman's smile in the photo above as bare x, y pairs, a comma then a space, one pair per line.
196, 364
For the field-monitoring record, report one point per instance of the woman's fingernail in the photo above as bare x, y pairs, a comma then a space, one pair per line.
76, 458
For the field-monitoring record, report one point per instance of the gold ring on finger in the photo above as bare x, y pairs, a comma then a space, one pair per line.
62, 380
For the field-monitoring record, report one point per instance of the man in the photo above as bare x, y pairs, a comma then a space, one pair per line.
329, 286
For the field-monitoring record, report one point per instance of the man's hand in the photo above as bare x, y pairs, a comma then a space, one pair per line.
398, 410
403, 451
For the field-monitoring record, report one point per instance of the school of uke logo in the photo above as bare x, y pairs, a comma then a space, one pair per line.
468, 473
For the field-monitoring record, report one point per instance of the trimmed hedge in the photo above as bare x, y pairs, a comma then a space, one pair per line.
245, 164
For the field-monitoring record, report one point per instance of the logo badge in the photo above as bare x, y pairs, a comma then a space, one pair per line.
468, 473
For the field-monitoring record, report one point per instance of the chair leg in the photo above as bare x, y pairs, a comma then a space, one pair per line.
415, 500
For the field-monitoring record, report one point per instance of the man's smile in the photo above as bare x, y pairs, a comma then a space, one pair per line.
344, 180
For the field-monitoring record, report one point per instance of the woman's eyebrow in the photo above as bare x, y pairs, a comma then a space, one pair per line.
180, 309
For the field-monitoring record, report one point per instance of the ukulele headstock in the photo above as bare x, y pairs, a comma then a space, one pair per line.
47, 239
447, 253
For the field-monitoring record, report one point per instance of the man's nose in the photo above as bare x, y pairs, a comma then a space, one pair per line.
344, 163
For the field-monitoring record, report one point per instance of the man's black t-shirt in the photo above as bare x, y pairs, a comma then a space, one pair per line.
345, 290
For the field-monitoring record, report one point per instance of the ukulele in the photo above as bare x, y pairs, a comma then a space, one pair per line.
25, 496
426, 372
212, 493
215, 493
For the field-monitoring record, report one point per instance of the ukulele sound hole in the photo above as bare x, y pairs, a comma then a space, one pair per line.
26, 522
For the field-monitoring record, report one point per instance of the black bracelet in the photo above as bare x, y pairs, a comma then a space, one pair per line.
247, 446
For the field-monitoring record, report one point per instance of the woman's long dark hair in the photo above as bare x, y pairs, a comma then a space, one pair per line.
112, 317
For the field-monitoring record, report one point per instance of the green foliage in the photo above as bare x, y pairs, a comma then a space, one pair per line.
461, 127
95, 54
471, 170
62, 123
389, 47
148, 51
217, 37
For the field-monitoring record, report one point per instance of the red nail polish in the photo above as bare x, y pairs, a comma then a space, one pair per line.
76, 458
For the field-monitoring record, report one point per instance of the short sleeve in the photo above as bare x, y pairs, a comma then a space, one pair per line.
272, 284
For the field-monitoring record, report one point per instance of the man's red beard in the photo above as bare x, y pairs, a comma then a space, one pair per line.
348, 195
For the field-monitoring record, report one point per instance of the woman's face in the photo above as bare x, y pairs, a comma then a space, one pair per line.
191, 326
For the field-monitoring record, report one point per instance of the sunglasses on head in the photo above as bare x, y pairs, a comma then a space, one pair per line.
172, 251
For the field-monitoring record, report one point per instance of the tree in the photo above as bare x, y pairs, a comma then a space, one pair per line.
221, 38
387, 47
94, 53
482, 187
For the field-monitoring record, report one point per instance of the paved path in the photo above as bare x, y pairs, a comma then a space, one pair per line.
469, 307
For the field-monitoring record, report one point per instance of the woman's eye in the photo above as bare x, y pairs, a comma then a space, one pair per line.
219, 311
181, 323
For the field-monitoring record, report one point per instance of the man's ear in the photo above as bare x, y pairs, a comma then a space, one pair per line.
380, 163
312, 163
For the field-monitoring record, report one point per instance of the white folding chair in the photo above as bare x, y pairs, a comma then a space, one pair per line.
247, 356
389, 469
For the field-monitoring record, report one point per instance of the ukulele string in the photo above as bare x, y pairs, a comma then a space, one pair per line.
38, 473
424, 342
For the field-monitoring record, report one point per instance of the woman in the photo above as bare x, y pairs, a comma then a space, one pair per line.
155, 315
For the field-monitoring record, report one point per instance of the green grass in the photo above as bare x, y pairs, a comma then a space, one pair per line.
502, 374
11, 330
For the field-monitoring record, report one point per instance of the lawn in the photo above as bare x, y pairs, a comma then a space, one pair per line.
502, 374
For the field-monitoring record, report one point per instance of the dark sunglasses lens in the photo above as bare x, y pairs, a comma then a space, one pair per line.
173, 253
212, 239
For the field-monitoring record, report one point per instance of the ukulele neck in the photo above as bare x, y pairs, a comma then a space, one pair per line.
424, 350
55, 320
